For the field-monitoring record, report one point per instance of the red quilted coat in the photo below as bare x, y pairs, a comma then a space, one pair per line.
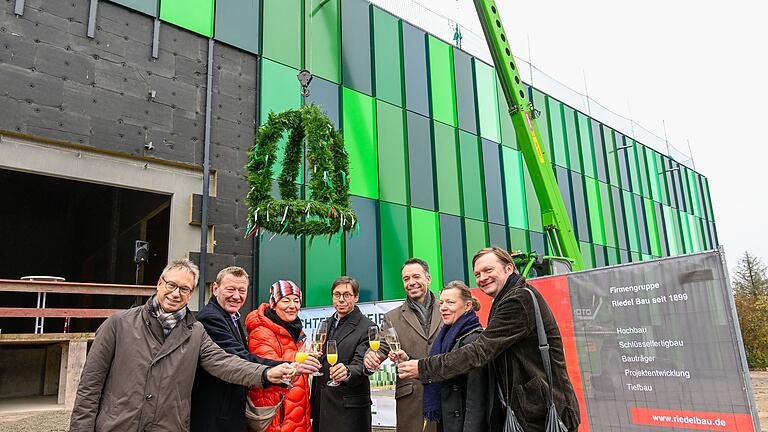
270, 340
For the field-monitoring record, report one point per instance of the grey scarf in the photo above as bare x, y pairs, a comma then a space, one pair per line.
423, 311
167, 320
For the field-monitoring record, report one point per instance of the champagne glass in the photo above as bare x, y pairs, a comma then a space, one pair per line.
374, 343
318, 340
332, 355
390, 337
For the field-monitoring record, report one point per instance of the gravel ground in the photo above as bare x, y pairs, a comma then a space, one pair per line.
37, 421
58, 421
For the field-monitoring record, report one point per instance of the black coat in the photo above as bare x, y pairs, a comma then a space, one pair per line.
464, 398
509, 344
218, 406
348, 406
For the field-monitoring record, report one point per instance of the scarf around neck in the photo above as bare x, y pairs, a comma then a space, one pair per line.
294, 327
423, 311
168, 320
444, 341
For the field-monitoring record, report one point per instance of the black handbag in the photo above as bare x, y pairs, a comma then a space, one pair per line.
554, 424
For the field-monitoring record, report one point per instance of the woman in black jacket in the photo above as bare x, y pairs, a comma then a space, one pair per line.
455, 405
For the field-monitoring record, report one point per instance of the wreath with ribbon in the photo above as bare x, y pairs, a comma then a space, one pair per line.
328, 211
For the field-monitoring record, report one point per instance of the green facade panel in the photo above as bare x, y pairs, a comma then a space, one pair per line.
557, 133
585, 142
447, 169
280, 91
508, 137
671, 229
609, 141
363, 249
237, 23
359, 128
395, 248
324, 263
572, 139
708, 199
608, 218
193, 15
539, 100
472, 189
634, 167
642, 163
425, 243
514, 188
393, 153
322, 50
356, 71
387, 57
518, 240
653, 227
594, 205
487, 103
452, 254
283, 33
693, 187
476, 238
685, 227
653, 174
532, 203
587, 255
441, 81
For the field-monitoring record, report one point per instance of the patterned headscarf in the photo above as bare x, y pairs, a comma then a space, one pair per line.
281, 289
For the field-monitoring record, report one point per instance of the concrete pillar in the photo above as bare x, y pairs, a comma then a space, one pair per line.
72, 362
52, 362
63, 372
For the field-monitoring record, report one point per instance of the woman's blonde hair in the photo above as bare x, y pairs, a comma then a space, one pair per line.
464, 292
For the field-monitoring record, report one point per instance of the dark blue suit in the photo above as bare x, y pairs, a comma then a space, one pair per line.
218, 405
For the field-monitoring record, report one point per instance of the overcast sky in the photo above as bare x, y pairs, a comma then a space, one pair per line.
699, 66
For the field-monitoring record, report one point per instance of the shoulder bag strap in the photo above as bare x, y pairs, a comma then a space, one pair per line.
543, 345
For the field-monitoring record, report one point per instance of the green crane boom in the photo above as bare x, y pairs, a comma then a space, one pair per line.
553, 214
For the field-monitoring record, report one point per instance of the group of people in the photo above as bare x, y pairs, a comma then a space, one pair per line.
156, 367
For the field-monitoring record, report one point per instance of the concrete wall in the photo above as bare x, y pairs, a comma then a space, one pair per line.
57, 84
22, 371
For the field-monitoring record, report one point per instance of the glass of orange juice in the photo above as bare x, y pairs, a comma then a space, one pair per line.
302, 353
332, 355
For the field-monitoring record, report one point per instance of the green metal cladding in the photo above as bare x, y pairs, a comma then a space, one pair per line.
429, 141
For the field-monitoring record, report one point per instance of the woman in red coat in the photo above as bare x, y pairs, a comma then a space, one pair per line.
274, 332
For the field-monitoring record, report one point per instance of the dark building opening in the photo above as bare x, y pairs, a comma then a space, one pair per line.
83, 232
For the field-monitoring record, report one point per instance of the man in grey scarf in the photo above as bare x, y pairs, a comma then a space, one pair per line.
416, 322
140, 369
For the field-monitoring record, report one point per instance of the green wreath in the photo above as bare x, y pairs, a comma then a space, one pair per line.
329, 211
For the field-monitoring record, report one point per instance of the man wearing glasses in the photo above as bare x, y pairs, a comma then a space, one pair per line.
345, 406
140, 370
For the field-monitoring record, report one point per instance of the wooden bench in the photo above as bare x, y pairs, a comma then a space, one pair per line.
74, 346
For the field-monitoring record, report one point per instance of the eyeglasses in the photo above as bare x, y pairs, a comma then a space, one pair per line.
346, 295
171, 286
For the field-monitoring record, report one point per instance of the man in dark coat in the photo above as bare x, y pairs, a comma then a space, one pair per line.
510, 345
218, 406
348, 406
